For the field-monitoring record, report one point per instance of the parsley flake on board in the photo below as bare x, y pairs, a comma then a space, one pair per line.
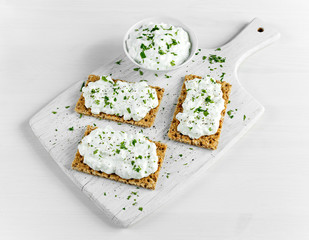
230, 113
71, 128
119, 62
214, 58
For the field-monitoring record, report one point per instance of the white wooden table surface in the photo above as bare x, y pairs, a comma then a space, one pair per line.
258, 190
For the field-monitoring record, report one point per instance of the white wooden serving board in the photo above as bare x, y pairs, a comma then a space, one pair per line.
182, 162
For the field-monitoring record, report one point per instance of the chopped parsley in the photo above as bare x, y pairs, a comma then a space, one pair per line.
119, 62
214, 58
173, 63
83, 85
54, 112
204, 57
208, 100
129, 110
199, 109
154, 29
161, 52
71, 128
95, 151
136, 69
67, 106
230, 113
104, 79
222, 76
143, 55
141, 72
140, 208
244, 118
218, 49
122, 145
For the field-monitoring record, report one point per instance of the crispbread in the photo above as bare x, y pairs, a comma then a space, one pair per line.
147, 121
146, 182
210, 141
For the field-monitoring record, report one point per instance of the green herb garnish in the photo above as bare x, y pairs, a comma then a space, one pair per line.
83, 85
143, 55
208, 100
230, 112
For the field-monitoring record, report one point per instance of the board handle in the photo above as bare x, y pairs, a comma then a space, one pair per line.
255, 36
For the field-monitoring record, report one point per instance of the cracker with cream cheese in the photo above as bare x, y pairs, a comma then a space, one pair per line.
146, 182
147, 121
209, 141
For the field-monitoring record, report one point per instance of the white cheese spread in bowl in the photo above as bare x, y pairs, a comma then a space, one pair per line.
160, 44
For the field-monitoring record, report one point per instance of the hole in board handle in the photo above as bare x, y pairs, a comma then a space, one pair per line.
260, 29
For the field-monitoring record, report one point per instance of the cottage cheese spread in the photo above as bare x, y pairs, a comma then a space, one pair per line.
201, 109
130, 100
127, 155
159, 46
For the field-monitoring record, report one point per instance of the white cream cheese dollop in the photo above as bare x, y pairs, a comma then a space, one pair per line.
127, 155
159, 46
201, 109
130, 100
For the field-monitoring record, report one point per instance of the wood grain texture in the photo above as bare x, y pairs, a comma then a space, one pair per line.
181, 164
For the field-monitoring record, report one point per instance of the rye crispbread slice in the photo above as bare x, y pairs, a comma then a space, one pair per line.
210, 141
146, 182
147, 121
